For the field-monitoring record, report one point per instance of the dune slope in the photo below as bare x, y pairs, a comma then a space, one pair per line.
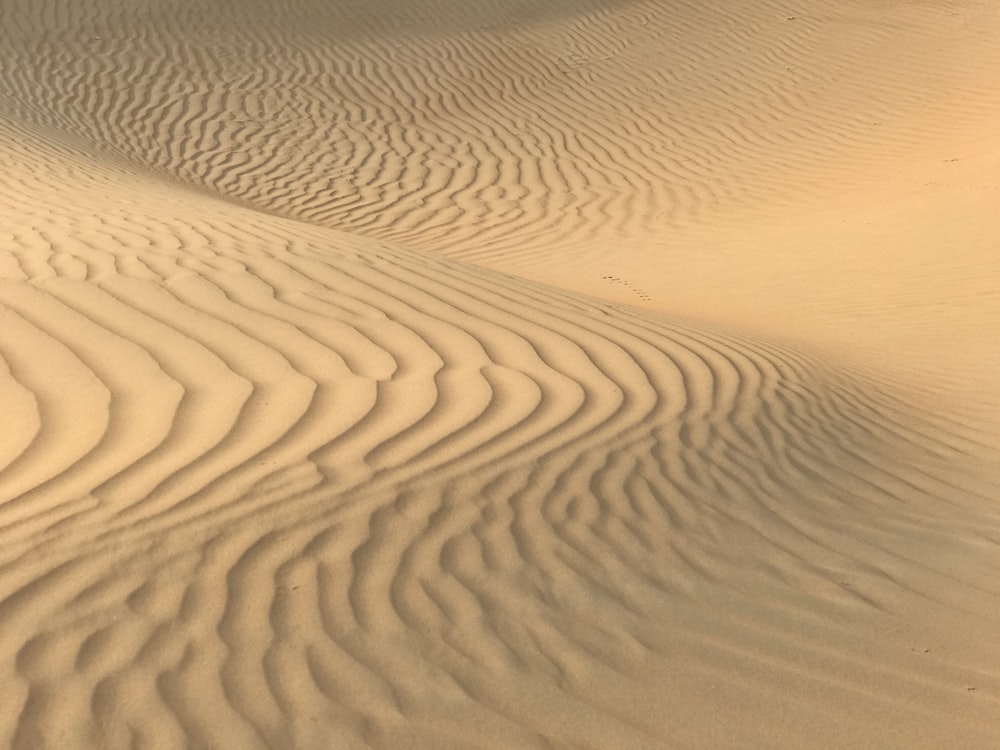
288, 461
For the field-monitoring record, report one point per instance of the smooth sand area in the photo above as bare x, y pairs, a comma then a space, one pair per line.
499, 374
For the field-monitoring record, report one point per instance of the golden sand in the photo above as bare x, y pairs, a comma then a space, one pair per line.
496, 374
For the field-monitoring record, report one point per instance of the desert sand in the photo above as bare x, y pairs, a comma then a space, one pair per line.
499, 374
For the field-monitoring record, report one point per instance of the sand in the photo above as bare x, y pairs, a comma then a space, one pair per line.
577, 374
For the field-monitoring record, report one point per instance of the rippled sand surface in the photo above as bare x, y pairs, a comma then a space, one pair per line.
493, 374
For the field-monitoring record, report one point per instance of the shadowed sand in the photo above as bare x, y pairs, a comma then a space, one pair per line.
495, 375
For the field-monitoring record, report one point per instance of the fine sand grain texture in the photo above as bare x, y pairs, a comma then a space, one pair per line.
495, 374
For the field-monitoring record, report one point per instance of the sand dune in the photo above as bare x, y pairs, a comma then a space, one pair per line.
578, 374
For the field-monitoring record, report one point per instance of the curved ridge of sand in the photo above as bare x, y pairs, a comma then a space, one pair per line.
279, 486
291, 481
666, 146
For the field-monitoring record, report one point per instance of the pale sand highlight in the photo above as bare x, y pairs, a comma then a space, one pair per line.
328, 422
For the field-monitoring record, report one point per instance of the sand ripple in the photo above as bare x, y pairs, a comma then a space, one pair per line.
278, 481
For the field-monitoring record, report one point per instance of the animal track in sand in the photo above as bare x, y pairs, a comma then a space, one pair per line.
638, 291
